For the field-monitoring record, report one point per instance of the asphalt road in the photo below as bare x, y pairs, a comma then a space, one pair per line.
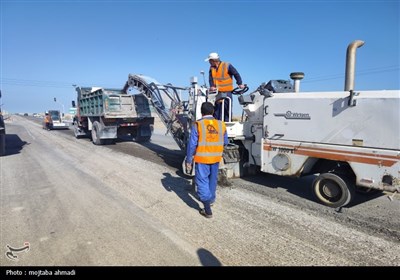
75, 203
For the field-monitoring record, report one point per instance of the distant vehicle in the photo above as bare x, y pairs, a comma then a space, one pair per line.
57, 122
26, 114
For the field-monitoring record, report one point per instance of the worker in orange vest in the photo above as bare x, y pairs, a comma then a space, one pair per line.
48, 121
220, 78
206, 145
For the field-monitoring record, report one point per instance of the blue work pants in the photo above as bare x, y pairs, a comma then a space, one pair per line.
206, 181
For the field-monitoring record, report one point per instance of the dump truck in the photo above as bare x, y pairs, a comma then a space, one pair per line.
104, 114
348, 140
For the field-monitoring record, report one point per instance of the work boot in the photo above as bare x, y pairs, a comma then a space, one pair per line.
203, 213
206, 212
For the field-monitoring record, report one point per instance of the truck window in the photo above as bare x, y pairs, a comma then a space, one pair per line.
55, 115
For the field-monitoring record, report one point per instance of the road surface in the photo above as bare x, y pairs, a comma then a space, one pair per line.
77, 204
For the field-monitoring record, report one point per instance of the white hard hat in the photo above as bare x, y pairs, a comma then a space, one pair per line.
212, 55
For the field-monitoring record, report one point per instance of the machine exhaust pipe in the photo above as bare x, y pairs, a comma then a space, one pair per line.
351, 63
297, 77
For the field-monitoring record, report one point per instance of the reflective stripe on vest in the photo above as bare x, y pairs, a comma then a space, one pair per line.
221, 78
211, 141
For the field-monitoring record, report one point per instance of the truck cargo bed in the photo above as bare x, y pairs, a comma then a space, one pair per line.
110, 103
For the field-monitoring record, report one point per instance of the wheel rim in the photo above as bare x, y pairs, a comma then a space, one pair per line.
329, 191
333, 190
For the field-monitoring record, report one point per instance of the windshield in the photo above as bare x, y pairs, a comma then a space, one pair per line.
55, 115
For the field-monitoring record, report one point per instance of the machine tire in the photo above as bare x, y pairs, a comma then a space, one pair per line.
333, 190
95, 138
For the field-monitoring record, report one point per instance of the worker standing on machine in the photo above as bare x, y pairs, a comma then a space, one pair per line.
220, 78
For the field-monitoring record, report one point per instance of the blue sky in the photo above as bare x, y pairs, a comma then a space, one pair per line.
46, 46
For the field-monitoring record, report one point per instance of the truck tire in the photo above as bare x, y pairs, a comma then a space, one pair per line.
333, 190
95, 134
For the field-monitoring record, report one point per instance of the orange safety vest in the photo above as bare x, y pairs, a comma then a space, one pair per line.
210, 144
47, 119
221, 78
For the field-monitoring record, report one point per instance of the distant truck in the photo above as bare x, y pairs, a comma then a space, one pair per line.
105, 114
56, 120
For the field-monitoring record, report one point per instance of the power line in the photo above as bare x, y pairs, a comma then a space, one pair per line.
370, 71
18, 82
37, 83
57, 84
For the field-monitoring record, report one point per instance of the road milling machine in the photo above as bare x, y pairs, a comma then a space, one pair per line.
350, 140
